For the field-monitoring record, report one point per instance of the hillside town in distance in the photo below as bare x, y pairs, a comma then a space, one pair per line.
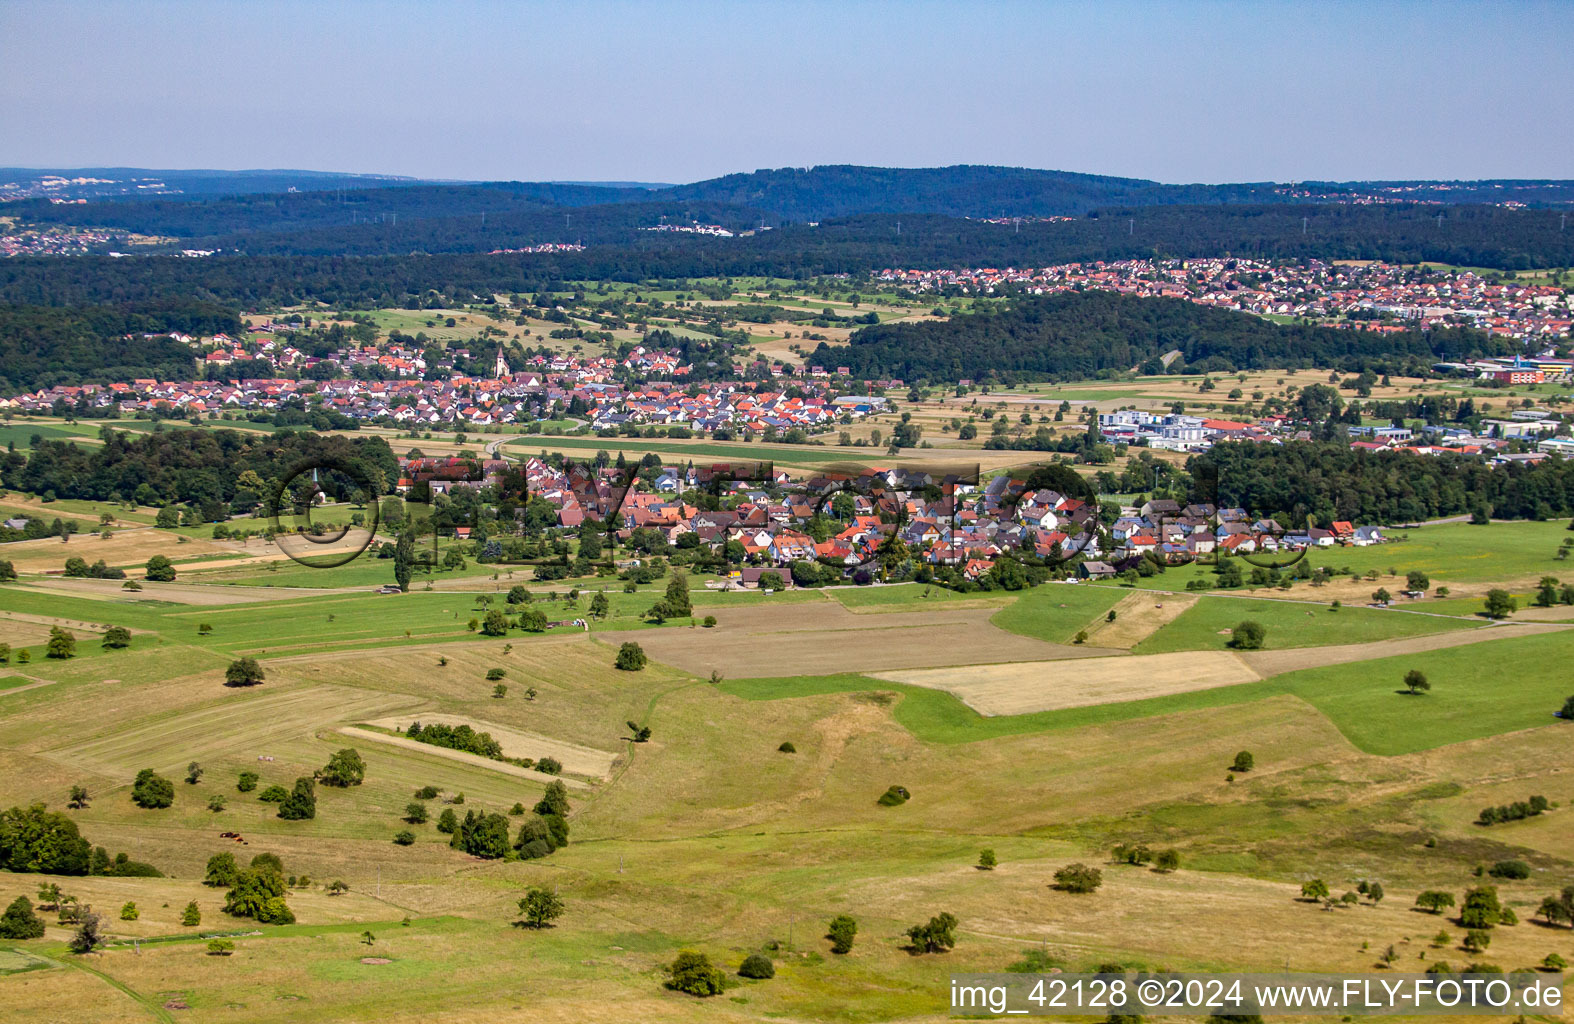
889, 523
1364, 296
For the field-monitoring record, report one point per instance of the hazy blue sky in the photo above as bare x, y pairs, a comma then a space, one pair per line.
674, 91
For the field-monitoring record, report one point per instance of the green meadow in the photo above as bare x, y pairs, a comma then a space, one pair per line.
1289, 624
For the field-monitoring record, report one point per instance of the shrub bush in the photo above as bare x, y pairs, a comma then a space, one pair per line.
894, 796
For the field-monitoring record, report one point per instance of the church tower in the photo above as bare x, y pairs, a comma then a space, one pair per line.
501, 371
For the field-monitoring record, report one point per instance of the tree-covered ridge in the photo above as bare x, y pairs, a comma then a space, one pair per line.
43, 347
379, 264
1078, 335
200, 467
792, 194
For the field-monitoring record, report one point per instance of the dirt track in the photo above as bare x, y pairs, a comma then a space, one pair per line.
1045, 686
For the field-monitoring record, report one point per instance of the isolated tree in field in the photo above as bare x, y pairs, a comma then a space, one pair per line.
1248, 636
1244, 762
1382, 596
1547, 592
554, 800
246, 782
1314, 890
258, 893
1500, 604
193, 773
62, 644
448, 821
302, 801
757, 966
1078, 878
494, 623
192, 915
986, 860
89, 934
244, 672
631, 657
220, 947
937, 935
129, 912
694, 973
345, 768
1416, 681
152, 790
1434, 901
1417, 580
415, 813
404, 560
338, 887
19, 921
600, 606
533, 620
160, 569
116, 637
1374, 892
638, 733
677, 597
1480, 908
79, 798
843, 929
1567, 712
540, 906
1560, 907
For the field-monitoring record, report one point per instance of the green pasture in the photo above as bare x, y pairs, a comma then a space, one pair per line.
1289, 624
1057, 612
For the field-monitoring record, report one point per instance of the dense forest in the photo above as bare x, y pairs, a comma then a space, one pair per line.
259, 201
314, 263
45, 346
1330, 481
199, 467
278, 211
1077, 335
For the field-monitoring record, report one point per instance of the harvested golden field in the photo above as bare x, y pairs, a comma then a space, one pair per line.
196, 594
1138, 616
817, 638
575, 758
124, 549
1025, 687
244, 725
462, 756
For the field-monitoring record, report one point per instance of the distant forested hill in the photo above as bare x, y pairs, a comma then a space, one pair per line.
233, 217
375, 264
1078, 335
821, 193
477, 217
45, 346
